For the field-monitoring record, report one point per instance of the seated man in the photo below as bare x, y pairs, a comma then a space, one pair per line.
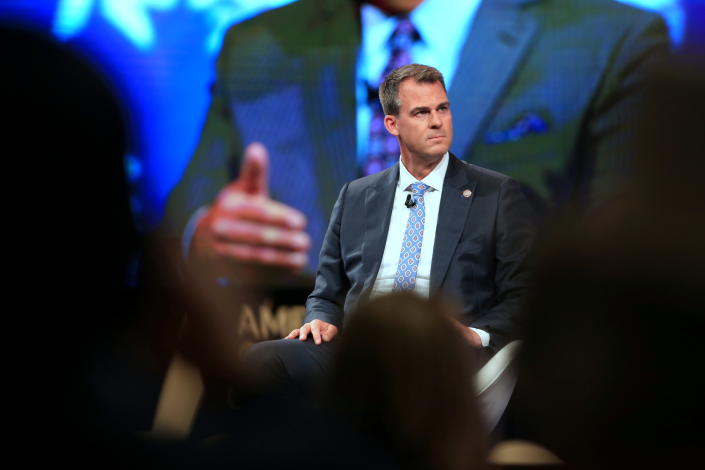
432, 224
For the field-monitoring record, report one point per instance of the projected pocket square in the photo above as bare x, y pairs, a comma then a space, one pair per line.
529, 123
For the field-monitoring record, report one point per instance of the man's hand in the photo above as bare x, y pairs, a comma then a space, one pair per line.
472, 337
245, 227
319, 329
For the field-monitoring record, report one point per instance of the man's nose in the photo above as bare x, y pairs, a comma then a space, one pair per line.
435, 120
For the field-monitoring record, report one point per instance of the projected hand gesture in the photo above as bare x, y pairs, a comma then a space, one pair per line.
245, 227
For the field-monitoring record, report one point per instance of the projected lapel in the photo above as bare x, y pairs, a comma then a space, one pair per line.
330, 104
500, 37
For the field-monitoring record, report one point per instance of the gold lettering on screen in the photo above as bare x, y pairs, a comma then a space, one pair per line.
266, 323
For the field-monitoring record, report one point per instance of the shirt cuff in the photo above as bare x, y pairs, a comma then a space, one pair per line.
484, 337
190, 229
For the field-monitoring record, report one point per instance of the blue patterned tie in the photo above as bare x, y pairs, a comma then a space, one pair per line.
383, 148
408, 267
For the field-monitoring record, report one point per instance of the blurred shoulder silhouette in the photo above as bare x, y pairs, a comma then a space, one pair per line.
613, 347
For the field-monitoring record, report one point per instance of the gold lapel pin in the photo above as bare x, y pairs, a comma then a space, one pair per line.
467, 193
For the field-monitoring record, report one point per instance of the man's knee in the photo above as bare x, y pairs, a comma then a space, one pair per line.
263, 361
286, 361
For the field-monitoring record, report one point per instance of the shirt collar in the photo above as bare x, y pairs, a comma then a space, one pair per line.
437, 21
433, 179
442, 26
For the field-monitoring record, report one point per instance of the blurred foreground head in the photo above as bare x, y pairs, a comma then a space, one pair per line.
614, 345
67, 203
404, 375
70, 242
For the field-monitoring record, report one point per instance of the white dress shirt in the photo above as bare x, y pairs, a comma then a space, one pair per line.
397, 226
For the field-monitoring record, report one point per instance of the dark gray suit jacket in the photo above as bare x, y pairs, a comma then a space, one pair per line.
479, 257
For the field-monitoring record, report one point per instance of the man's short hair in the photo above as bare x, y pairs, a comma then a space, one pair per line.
389, 88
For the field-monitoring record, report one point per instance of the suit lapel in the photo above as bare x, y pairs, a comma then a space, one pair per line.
500, 37
330, 105
379, 199
452, 217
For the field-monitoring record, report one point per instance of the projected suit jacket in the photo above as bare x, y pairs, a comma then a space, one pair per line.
485, 228
542, 91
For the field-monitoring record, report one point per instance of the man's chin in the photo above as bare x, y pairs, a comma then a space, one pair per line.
436, 152
430, 154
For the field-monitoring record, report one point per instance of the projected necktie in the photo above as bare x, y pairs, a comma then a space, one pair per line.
383, 149
408, 267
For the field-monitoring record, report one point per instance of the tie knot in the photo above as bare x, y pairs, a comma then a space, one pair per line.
419, 188
404, 35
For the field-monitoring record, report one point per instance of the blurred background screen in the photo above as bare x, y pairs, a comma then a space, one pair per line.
159, 57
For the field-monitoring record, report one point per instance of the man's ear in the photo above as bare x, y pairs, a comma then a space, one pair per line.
390, 123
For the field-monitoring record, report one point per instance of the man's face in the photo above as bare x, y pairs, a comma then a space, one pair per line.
424, 124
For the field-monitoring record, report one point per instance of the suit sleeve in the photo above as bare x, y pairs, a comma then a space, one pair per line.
619, 99
332, 284
215, 160
515, 230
